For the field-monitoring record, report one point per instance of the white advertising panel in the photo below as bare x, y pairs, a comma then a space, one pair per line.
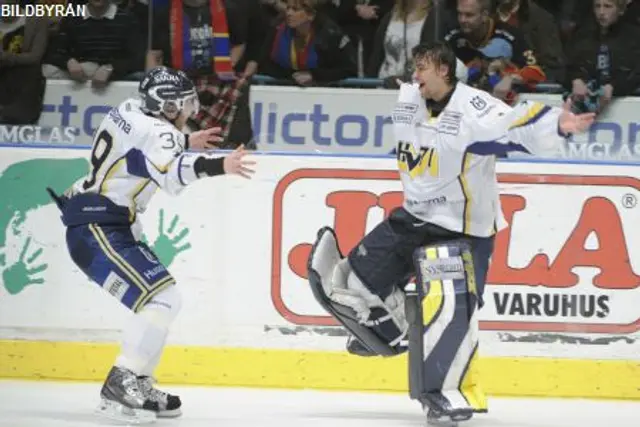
564, 277
311, 120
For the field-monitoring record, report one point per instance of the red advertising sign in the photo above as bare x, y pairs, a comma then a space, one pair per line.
563, 264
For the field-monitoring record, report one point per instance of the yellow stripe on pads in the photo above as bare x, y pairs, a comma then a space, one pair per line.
433, 300
470, 384
541, 377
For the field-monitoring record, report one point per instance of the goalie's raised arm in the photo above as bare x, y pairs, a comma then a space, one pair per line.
541, 129
528, 127
571, 123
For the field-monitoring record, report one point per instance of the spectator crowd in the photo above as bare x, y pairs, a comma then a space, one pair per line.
588, 48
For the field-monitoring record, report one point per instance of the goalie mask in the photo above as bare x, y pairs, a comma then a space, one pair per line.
169, 93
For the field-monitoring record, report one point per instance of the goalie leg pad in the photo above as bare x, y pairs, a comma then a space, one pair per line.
378, 325
443, 336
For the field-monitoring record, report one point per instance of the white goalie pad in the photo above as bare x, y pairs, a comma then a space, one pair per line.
324, 259
377, 326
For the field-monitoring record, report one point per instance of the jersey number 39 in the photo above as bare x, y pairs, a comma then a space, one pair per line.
100, 152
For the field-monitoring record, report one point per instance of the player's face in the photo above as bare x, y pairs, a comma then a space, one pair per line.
430, 77
606, 12
470, 16
191, 107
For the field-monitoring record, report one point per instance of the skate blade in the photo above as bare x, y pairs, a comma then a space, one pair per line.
117, 412
442, 422
174, 413
448, 420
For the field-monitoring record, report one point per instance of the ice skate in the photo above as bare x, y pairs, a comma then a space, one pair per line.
168, 404
124, 401
439, 419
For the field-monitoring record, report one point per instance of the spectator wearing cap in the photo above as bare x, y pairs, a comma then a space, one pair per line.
307, 48
496, 53
488, 70
541, 32
604, 59
99, 46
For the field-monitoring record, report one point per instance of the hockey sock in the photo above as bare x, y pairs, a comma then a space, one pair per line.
150, 367
144, 338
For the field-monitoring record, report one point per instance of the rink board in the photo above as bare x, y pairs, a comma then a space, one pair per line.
560, 318
297, 369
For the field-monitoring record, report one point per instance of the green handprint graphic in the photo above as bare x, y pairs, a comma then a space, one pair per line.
20, 275
166, 247
22, 191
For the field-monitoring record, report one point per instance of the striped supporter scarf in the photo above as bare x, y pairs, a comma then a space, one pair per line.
285, 53
220, 45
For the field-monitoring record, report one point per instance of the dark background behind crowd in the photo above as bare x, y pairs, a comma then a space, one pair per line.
588, 50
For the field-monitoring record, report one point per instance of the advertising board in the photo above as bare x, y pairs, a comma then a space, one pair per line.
311, 120
560, 303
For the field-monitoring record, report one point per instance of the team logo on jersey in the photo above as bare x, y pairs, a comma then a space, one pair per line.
417, 163
478, 103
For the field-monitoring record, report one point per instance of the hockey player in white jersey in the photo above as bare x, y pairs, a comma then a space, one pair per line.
137, 149
449, 136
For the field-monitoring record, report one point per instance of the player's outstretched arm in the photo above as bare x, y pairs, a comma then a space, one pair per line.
172, 168
528, 127
570, 123
233, 164
542, 128
236, 164
189, 167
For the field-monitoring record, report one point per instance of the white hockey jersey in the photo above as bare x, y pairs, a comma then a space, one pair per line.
133, 155
447, 163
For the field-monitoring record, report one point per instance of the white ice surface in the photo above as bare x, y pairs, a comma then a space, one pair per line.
50, 404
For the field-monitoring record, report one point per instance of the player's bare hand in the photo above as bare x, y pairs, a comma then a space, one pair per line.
574, 123
235, 163
205, 139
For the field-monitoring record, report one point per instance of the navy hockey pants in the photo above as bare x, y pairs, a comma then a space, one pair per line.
384, 257
122, 266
